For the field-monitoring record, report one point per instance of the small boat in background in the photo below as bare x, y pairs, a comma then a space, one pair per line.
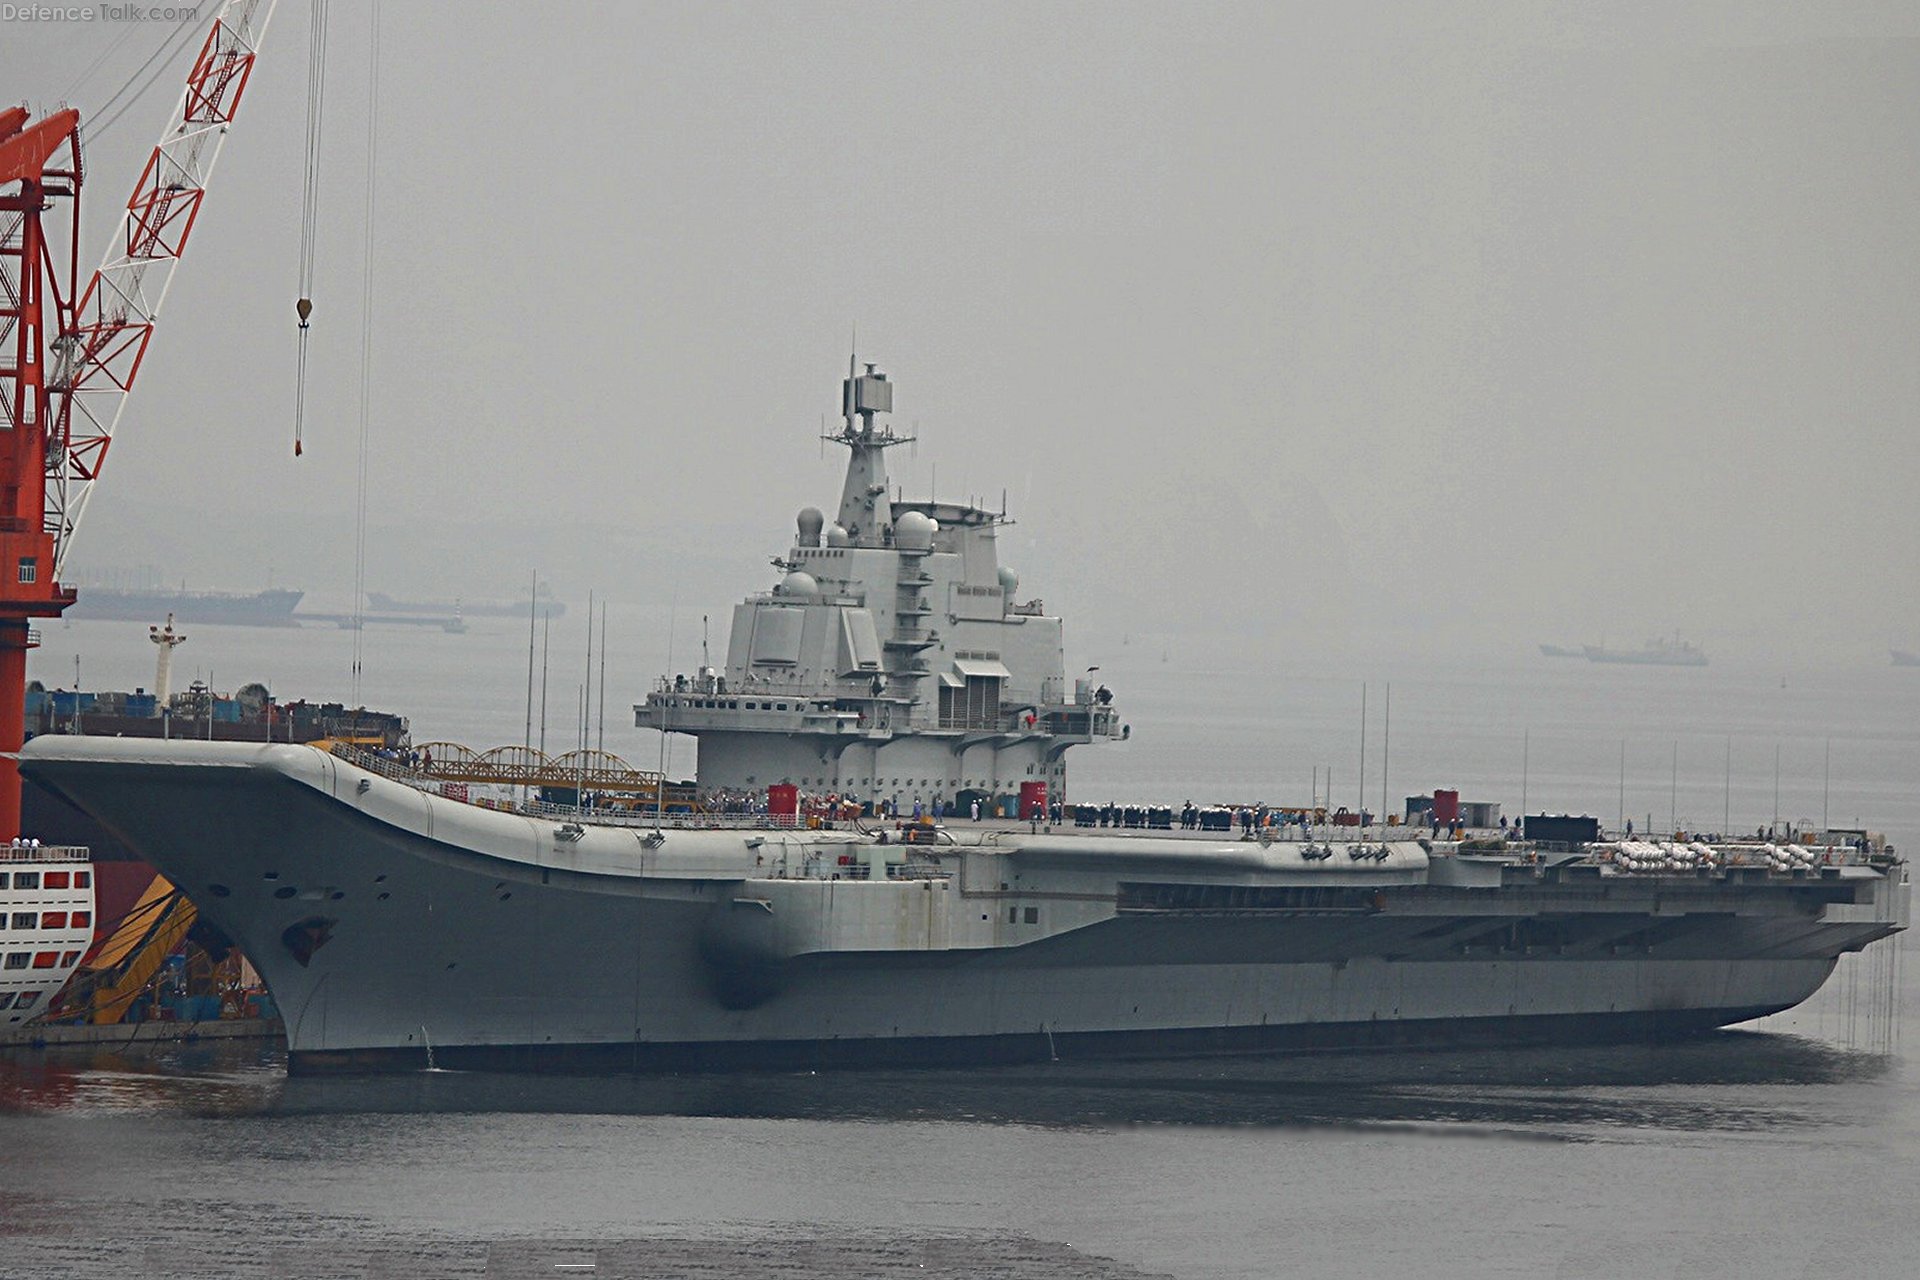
1658, 652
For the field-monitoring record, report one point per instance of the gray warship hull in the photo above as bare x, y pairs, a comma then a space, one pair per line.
397, 928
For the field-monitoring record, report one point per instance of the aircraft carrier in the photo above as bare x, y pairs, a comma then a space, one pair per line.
894, 671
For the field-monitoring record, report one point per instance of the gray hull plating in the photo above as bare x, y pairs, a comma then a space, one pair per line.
388, 922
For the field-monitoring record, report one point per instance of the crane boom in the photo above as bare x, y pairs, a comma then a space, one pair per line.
69, 358
97, 360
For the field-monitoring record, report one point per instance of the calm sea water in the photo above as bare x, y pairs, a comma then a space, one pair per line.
1790, 1148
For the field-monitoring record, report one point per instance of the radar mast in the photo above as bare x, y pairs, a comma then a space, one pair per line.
865, 512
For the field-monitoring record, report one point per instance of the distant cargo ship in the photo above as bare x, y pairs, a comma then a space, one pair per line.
271, 608
1560, 651
380, 602
1660, 652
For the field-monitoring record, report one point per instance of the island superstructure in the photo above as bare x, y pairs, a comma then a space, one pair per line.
894, 661
402, 922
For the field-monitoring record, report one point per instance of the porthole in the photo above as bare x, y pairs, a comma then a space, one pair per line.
270, 875
218, 890
285, 891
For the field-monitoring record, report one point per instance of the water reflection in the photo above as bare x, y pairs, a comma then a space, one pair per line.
1728, 1081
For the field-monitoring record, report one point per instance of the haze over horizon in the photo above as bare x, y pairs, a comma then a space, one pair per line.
1429, 331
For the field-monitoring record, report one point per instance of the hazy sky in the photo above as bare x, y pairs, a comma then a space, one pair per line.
1397, 329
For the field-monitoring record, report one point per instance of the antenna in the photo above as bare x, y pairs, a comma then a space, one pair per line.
1361, 817
706, 659
546, 636
586, 700
1623, 785
660, 781
1386, 744
603, 675
533, 610
1826, 789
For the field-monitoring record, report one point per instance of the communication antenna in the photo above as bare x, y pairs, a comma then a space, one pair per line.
1361, 817
1826, 788
586, 701
1386, 744
533, 611
546, 638
660, 782
1526, 750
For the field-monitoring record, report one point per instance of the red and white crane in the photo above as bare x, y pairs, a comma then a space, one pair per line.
68, 358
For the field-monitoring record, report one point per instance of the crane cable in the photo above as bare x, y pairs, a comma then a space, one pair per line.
172, 43
366, 348
310, 202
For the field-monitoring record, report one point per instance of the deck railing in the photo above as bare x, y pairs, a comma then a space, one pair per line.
46, 853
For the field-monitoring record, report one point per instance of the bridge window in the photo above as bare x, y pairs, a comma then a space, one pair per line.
26, 920
26, 879
17, 959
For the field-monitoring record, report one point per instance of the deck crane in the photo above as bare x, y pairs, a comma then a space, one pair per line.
69, 358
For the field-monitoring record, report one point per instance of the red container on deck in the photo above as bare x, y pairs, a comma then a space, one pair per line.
783, 800
1446, 807
1033, 800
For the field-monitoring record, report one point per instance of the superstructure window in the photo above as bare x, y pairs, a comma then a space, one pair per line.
26, 879
55, 880
83, 879
29, 569
17, 959
53, 920
26, 919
